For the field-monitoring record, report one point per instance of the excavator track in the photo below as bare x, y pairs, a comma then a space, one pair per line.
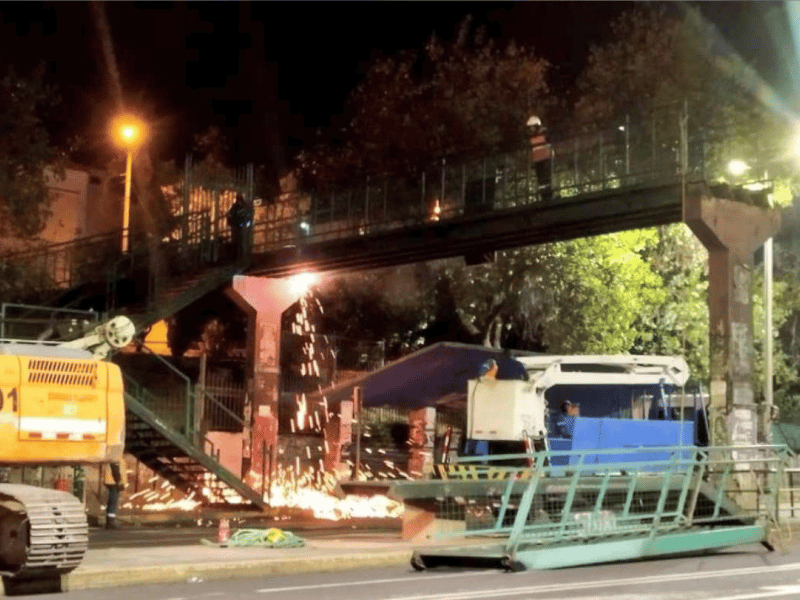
43, 533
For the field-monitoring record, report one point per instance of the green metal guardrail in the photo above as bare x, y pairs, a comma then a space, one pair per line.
696, 498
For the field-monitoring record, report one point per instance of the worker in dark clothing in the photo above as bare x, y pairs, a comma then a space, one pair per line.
240, 220
542, 157
511, 368
564, 426
115, 478
488, 369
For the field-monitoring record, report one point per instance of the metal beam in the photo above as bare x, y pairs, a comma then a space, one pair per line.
559, 220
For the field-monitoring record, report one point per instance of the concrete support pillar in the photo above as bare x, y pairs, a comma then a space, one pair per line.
731, 231
264, 300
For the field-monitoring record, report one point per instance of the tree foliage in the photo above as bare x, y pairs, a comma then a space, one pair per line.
678, 324
601, 288
785, 327
658, 57
660, 60
446, 99
25, 152
392, 305
638, 291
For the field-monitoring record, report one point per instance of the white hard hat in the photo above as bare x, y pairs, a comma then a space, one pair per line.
534, 121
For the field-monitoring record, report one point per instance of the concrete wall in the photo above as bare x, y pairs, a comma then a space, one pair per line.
84, 203
68, 206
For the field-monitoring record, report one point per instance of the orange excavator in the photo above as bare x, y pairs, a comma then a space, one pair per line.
60, 404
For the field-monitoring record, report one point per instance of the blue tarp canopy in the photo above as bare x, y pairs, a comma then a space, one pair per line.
424, 377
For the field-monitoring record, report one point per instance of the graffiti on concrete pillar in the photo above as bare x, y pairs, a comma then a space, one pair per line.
742, 425
718, 350
718, 427
743, 393
422, 431
267, 347
719, 393
741, 284
741, 349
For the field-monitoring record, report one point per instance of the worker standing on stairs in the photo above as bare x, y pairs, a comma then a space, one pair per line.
115, 478
542, 158
240, 220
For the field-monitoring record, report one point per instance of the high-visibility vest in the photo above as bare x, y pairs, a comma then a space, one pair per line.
110, 478
540, 149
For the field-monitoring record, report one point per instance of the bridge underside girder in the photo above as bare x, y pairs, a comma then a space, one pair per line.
604, 212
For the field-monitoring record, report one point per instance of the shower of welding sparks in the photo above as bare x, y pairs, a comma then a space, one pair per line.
312, 490
301, 412
309, 489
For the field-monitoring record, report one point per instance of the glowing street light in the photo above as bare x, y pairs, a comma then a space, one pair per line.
737, 167
128, 133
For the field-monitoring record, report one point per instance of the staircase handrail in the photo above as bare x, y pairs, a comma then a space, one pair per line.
189, 400
189, 416
186, 445
217, 404
48, 248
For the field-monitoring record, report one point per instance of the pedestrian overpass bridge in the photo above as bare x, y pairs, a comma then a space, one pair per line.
606, 178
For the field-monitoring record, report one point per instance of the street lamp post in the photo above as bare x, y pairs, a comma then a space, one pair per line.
128, 132
126, 211
768, 399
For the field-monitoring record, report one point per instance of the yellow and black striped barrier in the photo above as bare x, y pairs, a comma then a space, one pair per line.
479, 472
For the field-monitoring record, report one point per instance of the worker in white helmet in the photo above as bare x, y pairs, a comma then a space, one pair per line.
541, 156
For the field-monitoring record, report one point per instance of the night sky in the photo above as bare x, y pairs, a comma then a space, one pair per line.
272, 73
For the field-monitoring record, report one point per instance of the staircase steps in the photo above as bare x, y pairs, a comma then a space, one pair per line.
179, 461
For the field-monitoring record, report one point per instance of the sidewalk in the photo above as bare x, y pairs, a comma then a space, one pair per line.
113, 567
147, 564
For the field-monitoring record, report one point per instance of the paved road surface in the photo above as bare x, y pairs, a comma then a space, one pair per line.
747, 573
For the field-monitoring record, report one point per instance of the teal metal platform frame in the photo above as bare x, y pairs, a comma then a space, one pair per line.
689, 499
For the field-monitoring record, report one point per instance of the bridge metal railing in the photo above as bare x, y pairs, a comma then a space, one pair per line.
593, 159
43, 323
196, 236
665, 147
